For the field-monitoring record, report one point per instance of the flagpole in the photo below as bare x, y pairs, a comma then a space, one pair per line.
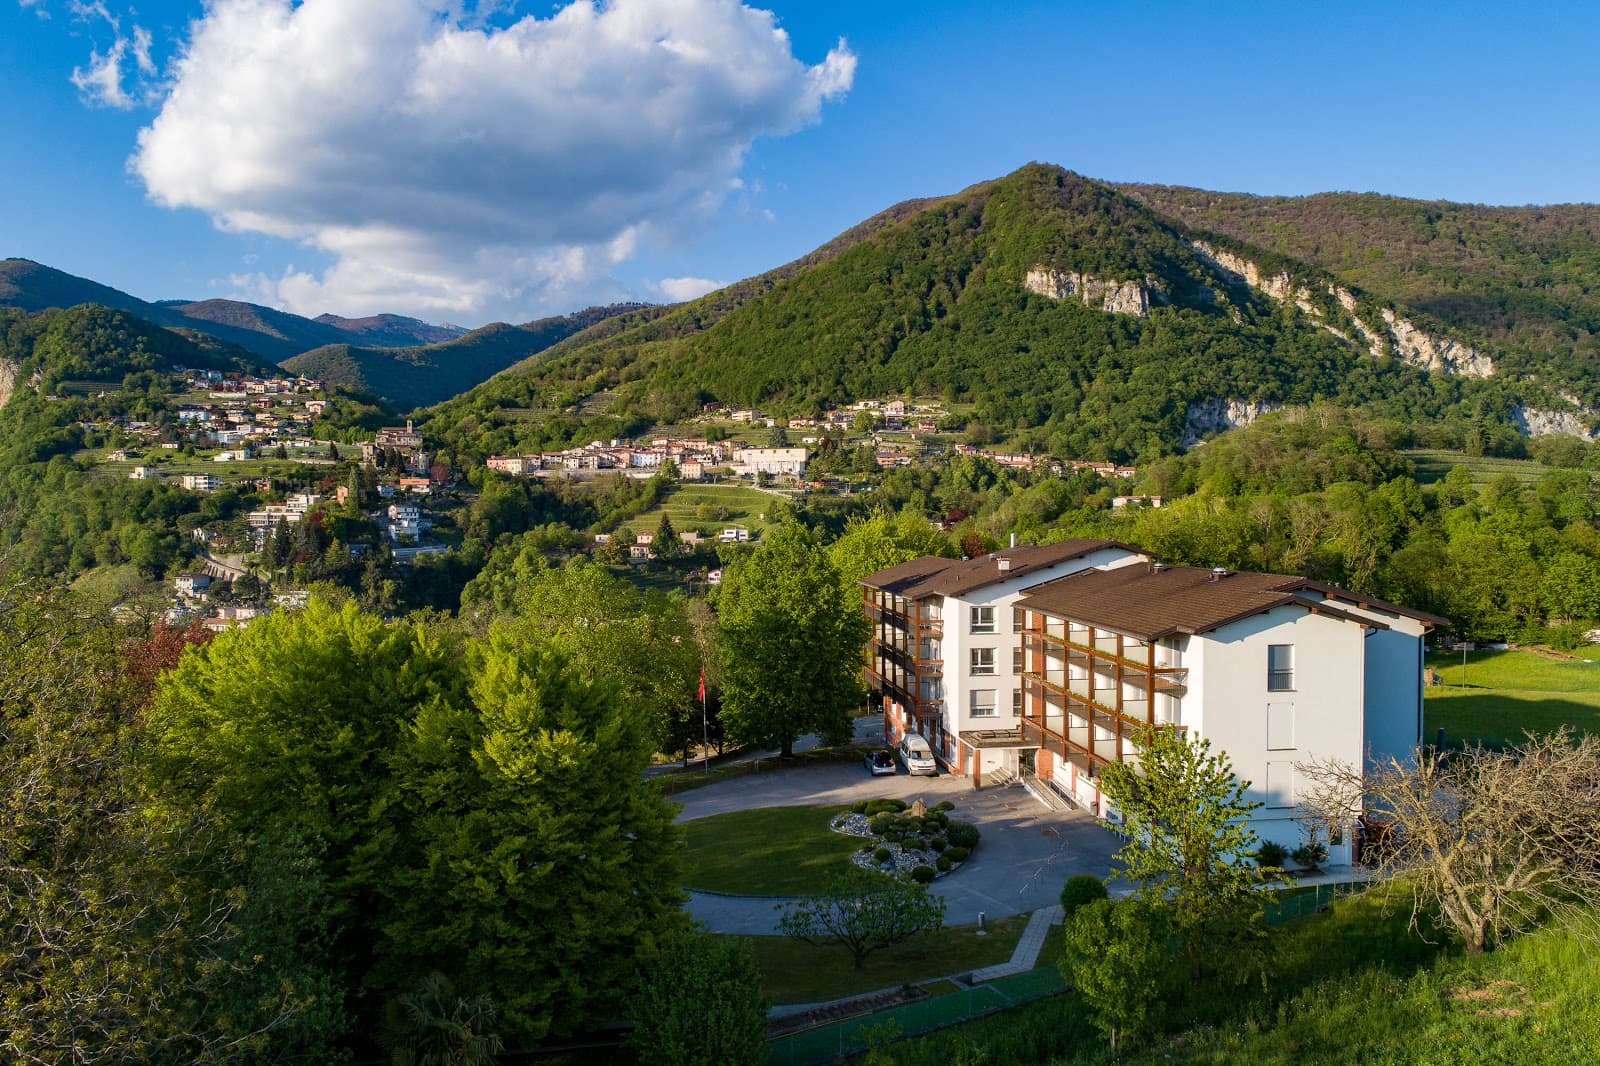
705, 722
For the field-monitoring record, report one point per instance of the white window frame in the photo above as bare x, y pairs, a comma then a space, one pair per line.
985, 662
982, 619
1280, 679
983, 710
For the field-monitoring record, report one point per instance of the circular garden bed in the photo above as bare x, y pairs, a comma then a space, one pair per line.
918, 842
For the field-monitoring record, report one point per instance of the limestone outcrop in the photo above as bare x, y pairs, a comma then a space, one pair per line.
1118, 297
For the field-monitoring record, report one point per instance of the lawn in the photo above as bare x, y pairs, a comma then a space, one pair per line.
769, 851
1507, 692
743, 505
796, 972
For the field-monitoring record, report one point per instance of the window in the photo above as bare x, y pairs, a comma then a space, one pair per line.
1280, 667
983, 619
1018, 616
1016, 701
1016, 660
983, 703
983, 660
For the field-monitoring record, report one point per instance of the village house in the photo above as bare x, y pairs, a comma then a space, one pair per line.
191, 584
200, 482
1046, 663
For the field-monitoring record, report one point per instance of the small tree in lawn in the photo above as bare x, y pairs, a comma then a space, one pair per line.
666, 544
700, 1001
1187, 841
1114, 953
862, 912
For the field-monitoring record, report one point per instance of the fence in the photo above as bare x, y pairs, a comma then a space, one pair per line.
856, 1034
1298, 903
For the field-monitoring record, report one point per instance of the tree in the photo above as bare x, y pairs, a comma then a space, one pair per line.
1489, 843
792, 640
862, 911
666, 544
880, 540
1187, 840
1115, 954
701, 1002
433, 1026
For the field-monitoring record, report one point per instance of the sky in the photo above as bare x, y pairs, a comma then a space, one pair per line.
469, 161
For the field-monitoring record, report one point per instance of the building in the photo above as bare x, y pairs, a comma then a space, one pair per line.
941, 652
201, 482
778, 462
515, 465
1274, 670
191, 584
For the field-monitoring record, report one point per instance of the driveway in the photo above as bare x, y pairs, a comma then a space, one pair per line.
1026, 853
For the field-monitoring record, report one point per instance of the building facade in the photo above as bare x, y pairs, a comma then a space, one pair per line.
1094, 643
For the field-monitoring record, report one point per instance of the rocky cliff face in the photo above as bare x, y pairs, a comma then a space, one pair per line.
1540, 422
1398, 335
1213, 415
8, 380
1117, 297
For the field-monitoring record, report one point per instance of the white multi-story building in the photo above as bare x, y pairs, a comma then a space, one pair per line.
1276, 671
201, 482
779, 462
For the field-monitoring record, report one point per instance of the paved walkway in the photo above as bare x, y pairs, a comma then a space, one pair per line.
1026, 954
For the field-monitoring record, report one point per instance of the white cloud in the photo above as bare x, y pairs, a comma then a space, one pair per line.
102, 82
680, 289
449, 166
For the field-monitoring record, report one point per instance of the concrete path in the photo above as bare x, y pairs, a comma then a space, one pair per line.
1026, 853
1026, 954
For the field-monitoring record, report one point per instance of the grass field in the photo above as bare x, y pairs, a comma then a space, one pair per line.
745, 506
769, 851
1433, 464
796, 972
1508, 692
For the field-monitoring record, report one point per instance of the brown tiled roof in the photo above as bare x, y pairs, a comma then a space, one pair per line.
930, 575
1361, 599
1153, 602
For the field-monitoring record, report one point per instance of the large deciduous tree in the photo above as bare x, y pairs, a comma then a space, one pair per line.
701, 1002
791, 638
1115, 954
1187, 840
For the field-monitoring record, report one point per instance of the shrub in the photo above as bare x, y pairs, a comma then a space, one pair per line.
1310, 856
944, 805
943, 863
1079, 890
884, 806
938, 843
894, 836
955, 853
939, 818
963, 834
881, 856
1272, 855
923, 874
858, 807
879, 824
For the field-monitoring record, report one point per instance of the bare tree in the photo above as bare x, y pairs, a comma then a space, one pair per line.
1489, 843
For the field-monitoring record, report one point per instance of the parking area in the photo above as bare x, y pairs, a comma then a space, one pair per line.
1026, 853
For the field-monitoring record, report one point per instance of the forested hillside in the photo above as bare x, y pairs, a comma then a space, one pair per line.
991, 299
426, 374
1522, 280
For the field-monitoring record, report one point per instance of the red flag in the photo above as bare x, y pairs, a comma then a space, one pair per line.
702, 696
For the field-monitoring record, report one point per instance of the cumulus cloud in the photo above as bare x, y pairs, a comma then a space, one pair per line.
680, 289
448, 165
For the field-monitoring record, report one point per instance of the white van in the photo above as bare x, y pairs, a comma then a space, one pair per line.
917, 756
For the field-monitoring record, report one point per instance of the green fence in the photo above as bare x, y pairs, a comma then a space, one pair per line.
1300, 902
848, 1037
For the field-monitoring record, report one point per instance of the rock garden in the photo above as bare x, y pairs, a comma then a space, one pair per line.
915, 841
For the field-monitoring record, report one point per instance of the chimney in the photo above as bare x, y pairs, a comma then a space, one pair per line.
1013, 540
1218, 573
1157, 568
1005, 565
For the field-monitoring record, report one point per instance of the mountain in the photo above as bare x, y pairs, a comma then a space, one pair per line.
392, 331
426, 374
269, 333
1052, 312
1520, 282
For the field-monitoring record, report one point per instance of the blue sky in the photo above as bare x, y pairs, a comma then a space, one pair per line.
762, 153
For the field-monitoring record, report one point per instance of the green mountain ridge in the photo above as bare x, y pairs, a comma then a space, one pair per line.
426, 374
934, 297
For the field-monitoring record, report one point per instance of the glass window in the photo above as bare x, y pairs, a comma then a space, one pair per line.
983, 660
1016, 660
1018, 616
1016, 701
983, 619
983, 703
1280, 667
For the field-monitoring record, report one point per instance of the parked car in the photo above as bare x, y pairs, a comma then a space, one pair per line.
917, 756
880, 763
